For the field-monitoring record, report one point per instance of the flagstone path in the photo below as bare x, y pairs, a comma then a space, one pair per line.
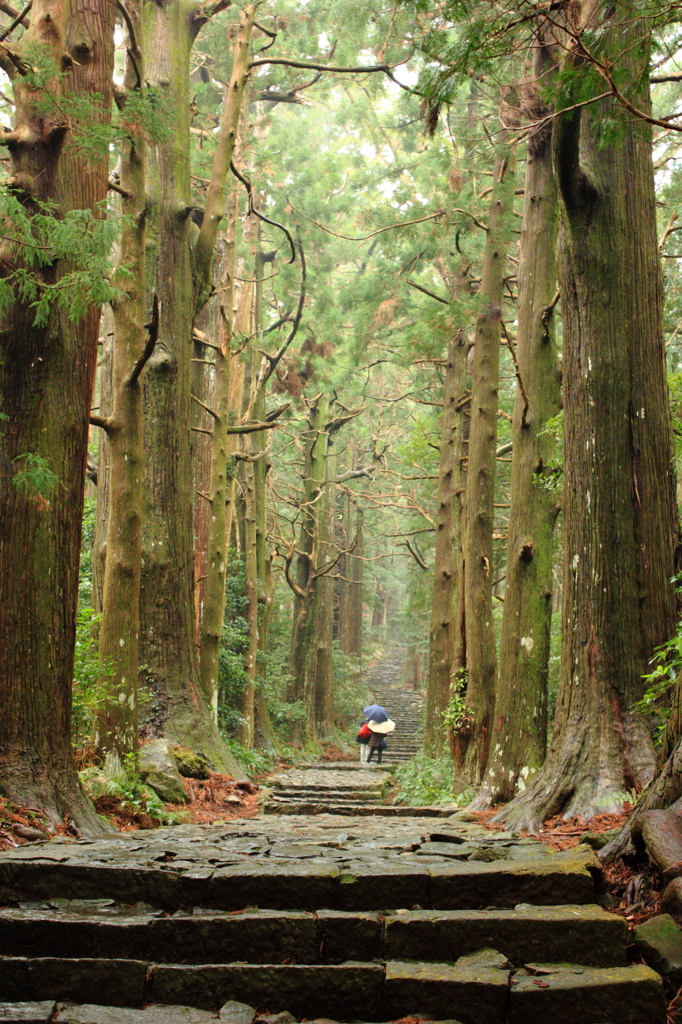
343, 917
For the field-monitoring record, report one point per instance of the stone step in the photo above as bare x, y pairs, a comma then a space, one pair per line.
312, 793
570, 934
478, 988
169, 874
322, 806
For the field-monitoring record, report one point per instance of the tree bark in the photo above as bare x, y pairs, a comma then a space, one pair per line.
46, 382
620, 519
473, 737
119, 629
322, 663
302, 687
519, 735
179, 708
448, 522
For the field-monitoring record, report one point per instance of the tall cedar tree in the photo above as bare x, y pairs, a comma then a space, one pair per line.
620, 517
472, 739
179, 275
46, 379
518, 740
119, 631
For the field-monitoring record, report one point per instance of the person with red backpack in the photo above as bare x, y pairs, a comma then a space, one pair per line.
363, 739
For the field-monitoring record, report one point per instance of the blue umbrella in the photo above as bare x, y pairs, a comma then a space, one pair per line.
376, 713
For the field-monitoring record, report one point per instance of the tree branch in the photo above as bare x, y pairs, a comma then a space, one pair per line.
101, 421
432, 295
261, 216
244, 428
205, 407
153, 328
19, 18
270, 363
510, 346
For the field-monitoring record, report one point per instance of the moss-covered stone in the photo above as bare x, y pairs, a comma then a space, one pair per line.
191, 764
659, 941
159, 770
628, 995
475, 991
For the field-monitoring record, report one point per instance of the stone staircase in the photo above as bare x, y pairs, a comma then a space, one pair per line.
383, 682
349, 919
338, 787
404, 707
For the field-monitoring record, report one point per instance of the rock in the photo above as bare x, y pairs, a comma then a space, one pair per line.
158, 769
237, 1013
93, 1014
629, 995
191, 765
462, 816
436, 989
598, 840
247, 786
659, 941
31, 835
484, 958
277, 1018
488, 854
560, 934
672, 897
26, 1013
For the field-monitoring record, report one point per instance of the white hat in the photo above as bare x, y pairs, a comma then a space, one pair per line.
381, 727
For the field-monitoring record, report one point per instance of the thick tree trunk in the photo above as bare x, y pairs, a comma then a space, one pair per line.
179, 708
302, 687
221, 475
119, 630
473, 738
355, 601
619, 489
443, 610
46, 380
322, 662
519, 735
248, 728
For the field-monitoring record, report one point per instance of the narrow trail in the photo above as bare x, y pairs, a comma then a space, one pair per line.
346, 917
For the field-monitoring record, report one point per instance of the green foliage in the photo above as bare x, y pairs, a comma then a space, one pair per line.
661, 681
127, 787
81, 240
457, 712
93, 687
428, 780
554, 428
145, 113
254, 762
87, 540
232, 676
34, 478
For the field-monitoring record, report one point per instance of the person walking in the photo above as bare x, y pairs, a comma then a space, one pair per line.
363, 739
379, 725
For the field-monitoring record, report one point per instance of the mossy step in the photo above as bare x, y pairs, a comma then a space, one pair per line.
27, 1013
580, 934
282, 806
477, 989
180, 875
